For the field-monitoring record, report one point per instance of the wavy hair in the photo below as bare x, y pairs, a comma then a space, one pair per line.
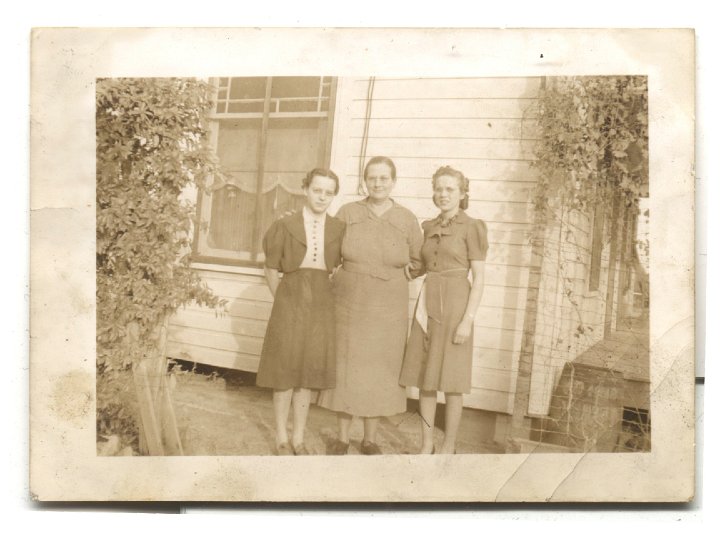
463, 183
320, 171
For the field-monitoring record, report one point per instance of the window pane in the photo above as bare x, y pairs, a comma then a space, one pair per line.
237, 144
243, 88
295, 86
231, 209
295, 145
233, 205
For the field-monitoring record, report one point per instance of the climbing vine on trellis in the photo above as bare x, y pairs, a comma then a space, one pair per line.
593, 142
592, 152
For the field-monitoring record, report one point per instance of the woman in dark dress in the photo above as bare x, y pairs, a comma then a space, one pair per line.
438, 356
298, 354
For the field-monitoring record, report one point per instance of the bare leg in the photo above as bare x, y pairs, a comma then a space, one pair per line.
370, 429
301, 407
453, 413
344, 421
281, 407
428, 404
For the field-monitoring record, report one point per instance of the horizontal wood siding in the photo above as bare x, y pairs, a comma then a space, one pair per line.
231, 338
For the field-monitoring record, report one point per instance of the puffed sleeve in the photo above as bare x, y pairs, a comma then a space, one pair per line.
477, 242
273, 245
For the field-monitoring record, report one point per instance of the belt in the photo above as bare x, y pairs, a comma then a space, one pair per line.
378, 272
421, 313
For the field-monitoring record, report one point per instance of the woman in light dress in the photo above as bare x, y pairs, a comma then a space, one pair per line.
380, 250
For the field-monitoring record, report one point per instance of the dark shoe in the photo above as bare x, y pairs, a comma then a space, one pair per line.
300, 449
370, 448
337, 447
285, 449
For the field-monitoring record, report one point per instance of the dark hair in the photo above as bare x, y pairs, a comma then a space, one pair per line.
380, 159
463, 183
319, 171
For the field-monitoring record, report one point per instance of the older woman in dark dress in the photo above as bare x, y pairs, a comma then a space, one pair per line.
438, 356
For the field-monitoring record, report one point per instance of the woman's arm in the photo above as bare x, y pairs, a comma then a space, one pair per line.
273, 279
464, 328
415, 268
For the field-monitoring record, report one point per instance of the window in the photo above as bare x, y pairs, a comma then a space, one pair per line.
268, 133
596, 248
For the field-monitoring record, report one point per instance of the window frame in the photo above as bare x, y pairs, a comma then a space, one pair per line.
204, 200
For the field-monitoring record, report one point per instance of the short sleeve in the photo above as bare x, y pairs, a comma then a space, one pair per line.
273, 245
477, 242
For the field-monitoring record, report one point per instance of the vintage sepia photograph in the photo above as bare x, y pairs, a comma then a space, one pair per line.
450, 266
472, 277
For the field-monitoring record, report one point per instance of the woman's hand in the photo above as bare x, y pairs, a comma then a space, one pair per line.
287, 213
463, 330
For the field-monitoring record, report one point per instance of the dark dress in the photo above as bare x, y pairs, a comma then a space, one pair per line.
299, 347
371, 292
432, 361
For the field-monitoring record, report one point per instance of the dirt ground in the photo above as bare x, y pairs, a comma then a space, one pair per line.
230, 416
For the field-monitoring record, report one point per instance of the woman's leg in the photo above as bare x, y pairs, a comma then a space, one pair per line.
281, 406
370, 429
301, 407
428, 404
344, 421
453, 413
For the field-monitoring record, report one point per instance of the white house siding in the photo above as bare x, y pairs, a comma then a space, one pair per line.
232, 339
484, 127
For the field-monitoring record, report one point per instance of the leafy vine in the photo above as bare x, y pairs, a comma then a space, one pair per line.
151, 143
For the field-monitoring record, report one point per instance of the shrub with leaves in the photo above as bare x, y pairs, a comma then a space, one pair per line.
151, 144
593, 141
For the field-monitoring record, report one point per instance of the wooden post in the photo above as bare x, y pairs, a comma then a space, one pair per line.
148, 416
519, 428
612, 266
158, 428
624, 259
